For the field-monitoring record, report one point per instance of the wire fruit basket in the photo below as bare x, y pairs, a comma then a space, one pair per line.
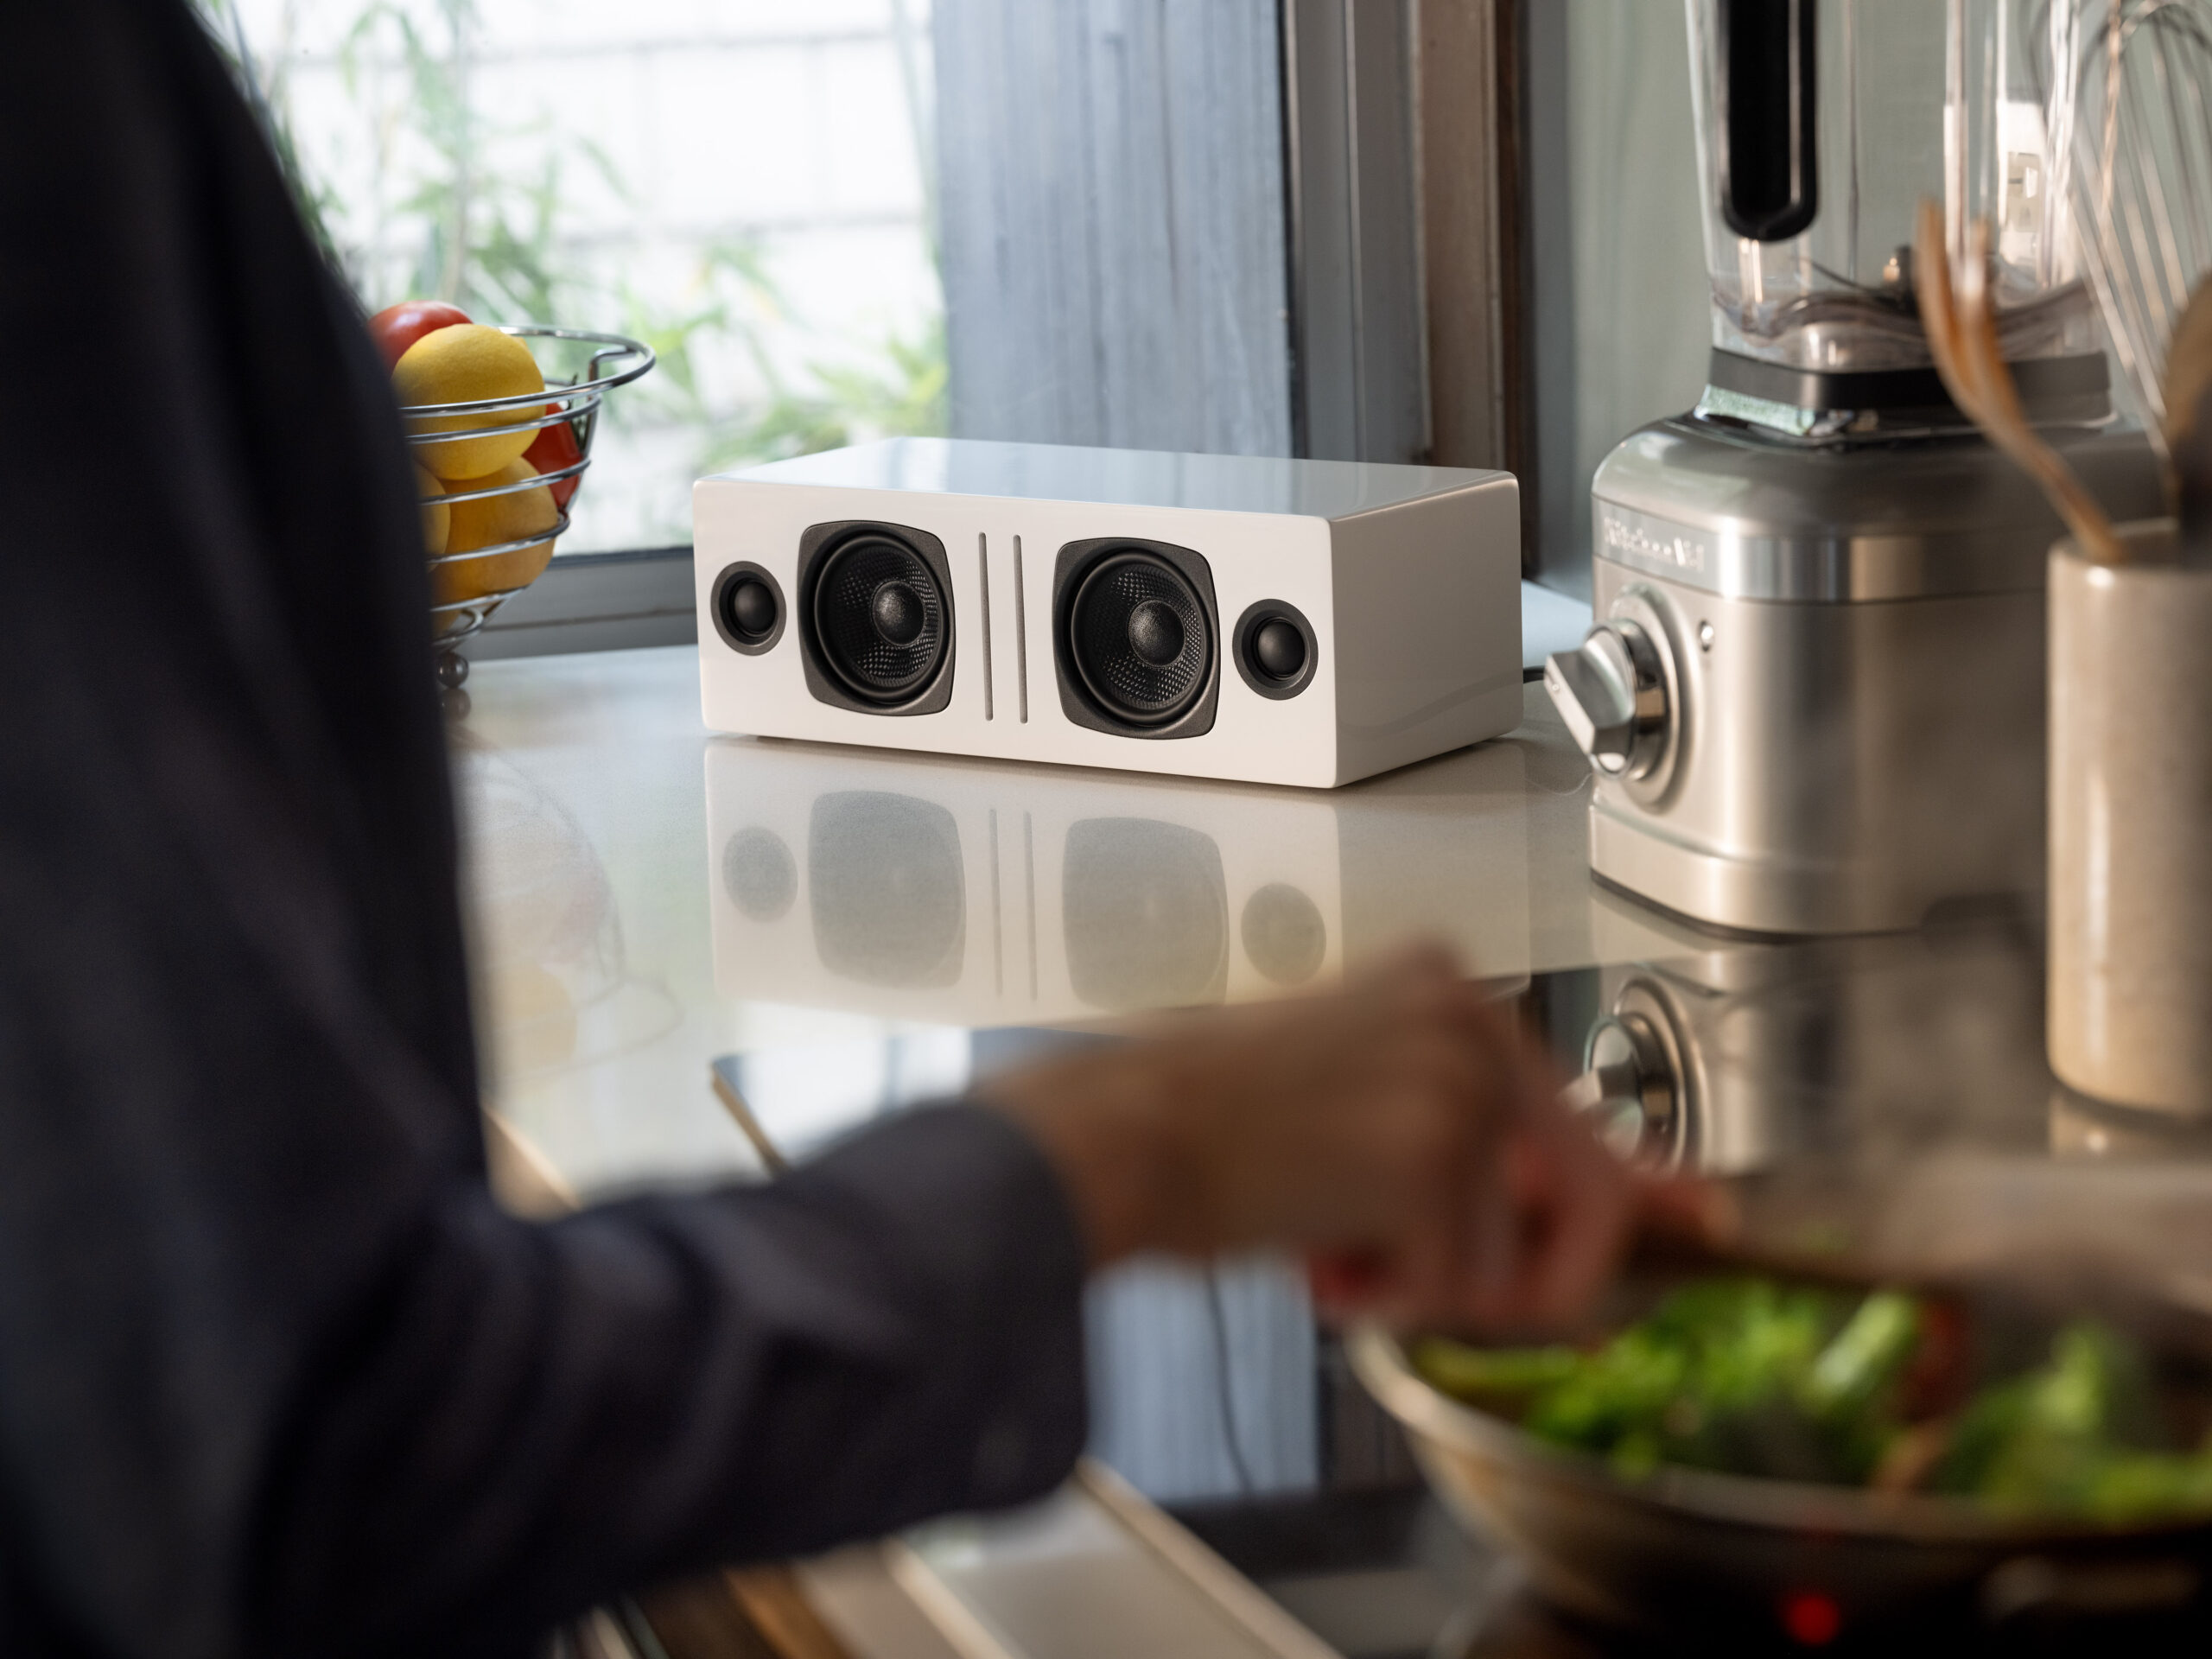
615, 361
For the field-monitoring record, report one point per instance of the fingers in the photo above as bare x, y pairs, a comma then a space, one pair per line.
1531, 1234
1402, 1130
1424, 959
1682, 1206
1522, 1219
1580, 1220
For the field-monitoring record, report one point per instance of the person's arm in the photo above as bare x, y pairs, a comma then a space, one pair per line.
275, 1375
534, 1417
892, 1331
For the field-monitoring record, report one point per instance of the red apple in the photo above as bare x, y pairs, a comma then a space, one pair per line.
398, 326
553, 448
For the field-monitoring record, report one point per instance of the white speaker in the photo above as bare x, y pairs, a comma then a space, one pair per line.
1305, 622
965, 893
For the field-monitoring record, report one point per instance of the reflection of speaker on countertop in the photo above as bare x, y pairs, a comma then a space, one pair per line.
1146, 909
976, 893
1283, 934
887, 896
1306, 622
757, 875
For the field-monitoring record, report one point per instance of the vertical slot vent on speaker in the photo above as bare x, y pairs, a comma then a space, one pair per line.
1021, 635
998, 917
983, 578
1029, 888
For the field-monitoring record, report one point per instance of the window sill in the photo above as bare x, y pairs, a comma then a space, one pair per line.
596, 601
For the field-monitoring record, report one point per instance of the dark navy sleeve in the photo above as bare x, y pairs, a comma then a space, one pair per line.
551, 1413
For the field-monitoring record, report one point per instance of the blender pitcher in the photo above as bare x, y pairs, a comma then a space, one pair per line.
1820, 130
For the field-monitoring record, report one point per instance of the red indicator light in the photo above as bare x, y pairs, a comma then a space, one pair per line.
1812, 1619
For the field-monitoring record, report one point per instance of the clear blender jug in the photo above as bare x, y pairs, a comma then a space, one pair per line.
1822, 124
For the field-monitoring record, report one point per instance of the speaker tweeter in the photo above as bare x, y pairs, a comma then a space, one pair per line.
875, 618
1276, 649
1133, 632
747, 608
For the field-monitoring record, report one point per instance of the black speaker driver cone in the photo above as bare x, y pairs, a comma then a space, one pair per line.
1140, 637
880, 618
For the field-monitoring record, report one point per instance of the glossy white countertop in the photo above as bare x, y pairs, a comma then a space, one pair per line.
861, 929
648, 896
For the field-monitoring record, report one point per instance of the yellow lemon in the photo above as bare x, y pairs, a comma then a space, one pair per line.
437, 518
462, 365
489, 521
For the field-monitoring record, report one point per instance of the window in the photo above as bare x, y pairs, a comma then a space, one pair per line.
1236, 226
746, 185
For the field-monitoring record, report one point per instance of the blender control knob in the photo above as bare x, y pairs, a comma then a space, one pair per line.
1627, 1087
1613, 698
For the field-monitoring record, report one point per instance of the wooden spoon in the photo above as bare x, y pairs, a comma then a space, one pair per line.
2188, 392
1961, 329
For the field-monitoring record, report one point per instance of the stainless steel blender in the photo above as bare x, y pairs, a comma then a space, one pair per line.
1814, 696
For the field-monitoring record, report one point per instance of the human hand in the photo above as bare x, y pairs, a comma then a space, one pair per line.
1400, 1132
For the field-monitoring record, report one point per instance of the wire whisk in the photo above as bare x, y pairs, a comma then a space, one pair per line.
2140, 186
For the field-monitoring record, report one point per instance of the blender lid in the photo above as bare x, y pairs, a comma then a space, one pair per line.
1769, 159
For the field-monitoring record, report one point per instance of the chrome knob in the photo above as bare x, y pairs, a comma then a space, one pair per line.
1613, 695
1628, 1087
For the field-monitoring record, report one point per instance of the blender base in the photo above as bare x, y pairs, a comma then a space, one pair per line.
1838, 724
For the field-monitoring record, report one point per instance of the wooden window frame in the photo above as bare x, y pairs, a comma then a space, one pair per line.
1479, 239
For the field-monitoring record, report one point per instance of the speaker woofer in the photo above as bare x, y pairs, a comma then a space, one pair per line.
1134, 628
875, 611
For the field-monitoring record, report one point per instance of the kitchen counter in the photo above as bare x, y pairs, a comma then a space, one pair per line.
650, 897
846, 932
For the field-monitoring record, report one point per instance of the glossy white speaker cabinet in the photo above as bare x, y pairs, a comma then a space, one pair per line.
1306, 622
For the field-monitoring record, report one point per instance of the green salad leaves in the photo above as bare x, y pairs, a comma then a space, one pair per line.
1750, 1376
